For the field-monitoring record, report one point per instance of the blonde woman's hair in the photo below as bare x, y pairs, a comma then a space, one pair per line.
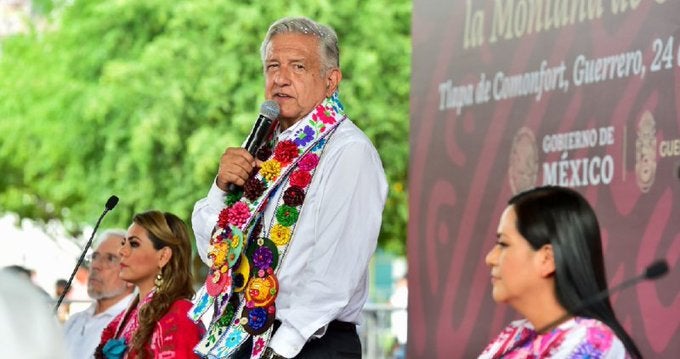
164, 230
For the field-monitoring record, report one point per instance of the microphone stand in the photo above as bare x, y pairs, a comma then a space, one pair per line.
653, 271
113, 200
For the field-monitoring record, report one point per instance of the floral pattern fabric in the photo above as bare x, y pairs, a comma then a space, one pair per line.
576, 338
175, 334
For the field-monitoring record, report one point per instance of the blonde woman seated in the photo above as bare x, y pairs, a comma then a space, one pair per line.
547, 262
155, 256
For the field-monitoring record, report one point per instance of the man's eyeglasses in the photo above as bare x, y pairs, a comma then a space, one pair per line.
107, 260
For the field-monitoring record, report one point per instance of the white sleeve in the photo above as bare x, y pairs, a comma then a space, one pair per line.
204, 219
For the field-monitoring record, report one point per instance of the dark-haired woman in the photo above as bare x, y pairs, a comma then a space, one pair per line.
546, 263
155, 256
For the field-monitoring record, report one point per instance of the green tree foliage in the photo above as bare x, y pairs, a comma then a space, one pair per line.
140, 99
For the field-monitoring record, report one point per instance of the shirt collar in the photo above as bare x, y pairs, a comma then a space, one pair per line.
116, 308
288, 133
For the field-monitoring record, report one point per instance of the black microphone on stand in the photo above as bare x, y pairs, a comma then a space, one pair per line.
269, 111
112, 202
653, 271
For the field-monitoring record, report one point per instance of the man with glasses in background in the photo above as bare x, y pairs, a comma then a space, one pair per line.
111, 296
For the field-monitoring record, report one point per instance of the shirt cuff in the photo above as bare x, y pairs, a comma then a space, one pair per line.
287, 341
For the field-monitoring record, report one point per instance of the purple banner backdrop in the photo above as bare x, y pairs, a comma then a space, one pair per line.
508, 95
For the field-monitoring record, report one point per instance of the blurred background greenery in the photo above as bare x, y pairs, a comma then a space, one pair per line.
140, 99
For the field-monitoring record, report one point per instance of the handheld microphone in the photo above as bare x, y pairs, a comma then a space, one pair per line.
269, 111
110, 204
653, 271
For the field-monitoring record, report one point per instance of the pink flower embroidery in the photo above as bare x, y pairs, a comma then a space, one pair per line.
258, 346
238, 214
599, 337
308, 162
324, 115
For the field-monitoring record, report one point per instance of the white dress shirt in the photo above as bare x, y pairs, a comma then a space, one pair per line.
83, 330
324, 275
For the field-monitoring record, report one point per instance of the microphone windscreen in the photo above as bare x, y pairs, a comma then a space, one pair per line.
656, 269
112, 202
270, 109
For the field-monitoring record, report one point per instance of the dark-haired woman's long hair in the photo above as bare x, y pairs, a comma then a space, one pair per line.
562, 218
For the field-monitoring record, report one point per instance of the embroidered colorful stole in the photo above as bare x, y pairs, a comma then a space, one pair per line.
242, 285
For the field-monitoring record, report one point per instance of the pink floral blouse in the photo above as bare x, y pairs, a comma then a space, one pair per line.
175, 334
576, 338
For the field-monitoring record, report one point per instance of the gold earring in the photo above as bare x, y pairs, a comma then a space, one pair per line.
158, 282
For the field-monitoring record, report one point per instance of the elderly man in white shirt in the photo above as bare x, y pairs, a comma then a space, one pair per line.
112, 295
289, 253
